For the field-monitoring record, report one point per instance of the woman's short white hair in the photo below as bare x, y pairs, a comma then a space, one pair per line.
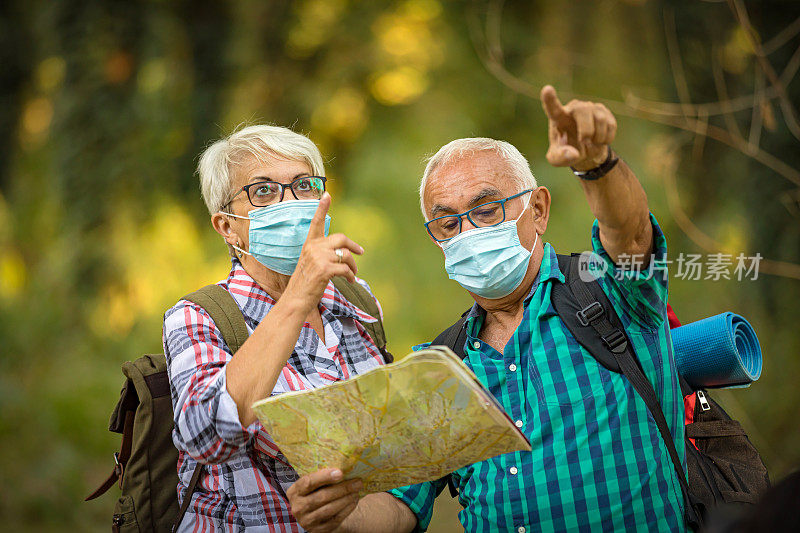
453, 151
263, 142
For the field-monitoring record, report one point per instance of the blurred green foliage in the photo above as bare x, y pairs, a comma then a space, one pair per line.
107, 104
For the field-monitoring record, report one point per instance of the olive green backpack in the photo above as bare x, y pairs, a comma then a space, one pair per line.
146, 464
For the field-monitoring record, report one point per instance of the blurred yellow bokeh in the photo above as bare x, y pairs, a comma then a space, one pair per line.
343, 115
50, 73
313, 26
37, 116
13, 273
168, 242
398, 86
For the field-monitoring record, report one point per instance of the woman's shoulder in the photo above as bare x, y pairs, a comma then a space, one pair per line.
187, 310
189, 302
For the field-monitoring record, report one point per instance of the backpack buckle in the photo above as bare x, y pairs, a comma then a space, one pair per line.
119, 468
616, 341
589, 313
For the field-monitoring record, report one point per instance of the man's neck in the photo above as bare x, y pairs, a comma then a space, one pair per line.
506, 313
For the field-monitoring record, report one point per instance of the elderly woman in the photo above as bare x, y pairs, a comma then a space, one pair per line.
265, 189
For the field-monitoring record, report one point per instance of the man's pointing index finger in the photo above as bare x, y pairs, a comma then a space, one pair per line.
551, 104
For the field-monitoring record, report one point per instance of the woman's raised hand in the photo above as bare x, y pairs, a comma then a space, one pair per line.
323, 258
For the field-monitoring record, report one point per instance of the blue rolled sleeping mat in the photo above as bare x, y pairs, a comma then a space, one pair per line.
718, 351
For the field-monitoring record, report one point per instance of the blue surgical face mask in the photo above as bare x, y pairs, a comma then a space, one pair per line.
489, 262
278, 231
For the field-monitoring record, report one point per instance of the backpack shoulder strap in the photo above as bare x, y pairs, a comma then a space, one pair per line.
187, 499
577, 317
605, 323
358, 295
229, 319
121, 457
454, 337
224, 312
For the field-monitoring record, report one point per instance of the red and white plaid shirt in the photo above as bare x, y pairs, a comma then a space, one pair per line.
245, 481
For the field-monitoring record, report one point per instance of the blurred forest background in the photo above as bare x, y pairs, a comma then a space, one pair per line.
107, 104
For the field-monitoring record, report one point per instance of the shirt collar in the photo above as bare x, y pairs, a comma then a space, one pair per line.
243, 284
338, 305
549, 269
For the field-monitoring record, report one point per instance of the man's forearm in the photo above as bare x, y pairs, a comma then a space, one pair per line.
379, 513
619, 203
580, 135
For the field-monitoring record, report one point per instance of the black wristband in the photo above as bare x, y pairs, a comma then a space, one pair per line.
598, 172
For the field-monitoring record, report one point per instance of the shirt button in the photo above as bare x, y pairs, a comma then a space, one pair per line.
520, 529
513, 470
518, 423
476, 345
512, 367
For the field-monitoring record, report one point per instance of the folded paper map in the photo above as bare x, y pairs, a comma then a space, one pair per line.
411, 421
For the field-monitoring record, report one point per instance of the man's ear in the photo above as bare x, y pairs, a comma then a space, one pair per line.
222, 225
540, 205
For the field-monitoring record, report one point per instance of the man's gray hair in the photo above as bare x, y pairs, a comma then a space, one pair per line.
453, 151
262, 142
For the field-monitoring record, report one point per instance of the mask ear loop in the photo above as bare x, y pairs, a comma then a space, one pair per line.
535, 240
240, 250
233, 245
530, 198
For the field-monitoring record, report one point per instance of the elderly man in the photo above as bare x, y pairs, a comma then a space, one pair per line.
598, 461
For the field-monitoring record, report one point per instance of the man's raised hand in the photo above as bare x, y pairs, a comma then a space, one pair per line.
579, 131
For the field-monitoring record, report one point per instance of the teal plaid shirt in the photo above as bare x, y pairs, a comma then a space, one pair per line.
598, 462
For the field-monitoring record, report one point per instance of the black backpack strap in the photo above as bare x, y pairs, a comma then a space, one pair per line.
596, 311
227, 316
358, 295
577, 317
454, 337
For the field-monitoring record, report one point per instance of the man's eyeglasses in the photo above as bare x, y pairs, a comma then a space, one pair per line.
264, 193
481, 216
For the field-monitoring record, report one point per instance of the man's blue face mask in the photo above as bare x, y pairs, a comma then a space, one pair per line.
278, 232
490, 262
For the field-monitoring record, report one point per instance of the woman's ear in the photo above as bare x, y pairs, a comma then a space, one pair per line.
222, 225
